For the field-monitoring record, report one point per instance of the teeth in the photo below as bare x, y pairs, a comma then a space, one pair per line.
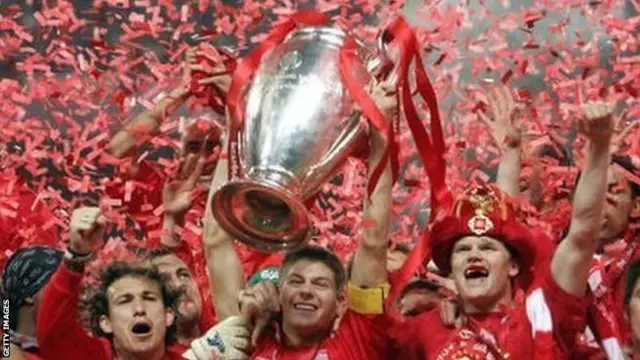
476, 273
304, 307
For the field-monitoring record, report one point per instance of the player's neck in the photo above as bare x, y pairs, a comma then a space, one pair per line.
154, 354
188, 332
26, 322
294, 338
485, 306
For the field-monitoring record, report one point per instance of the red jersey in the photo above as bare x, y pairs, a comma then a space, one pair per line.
359, 337
59, 334
541, 325
607, 327
30, 356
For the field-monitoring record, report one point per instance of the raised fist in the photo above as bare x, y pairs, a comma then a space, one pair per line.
86, 230
598, 122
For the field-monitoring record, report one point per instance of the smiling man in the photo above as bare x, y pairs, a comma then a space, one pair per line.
322, 317
132, 313
519, 302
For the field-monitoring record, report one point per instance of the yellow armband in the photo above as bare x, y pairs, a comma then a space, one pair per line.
367, 301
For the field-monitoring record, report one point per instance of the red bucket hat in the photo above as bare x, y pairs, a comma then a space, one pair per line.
485, 211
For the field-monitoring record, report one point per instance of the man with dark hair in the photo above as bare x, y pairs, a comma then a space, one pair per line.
23, 279
132, 314
316, 254
189, 305
318, 319
99, 306
606, 330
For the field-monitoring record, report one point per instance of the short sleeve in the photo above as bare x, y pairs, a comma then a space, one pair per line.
550, 308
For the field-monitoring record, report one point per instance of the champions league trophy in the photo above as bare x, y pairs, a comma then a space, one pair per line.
299, 125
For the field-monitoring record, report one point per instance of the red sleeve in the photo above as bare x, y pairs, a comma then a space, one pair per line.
59, 334
30, 356
360, 337
619, 311
568, 312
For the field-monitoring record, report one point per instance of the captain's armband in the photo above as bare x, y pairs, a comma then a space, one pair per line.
367, 301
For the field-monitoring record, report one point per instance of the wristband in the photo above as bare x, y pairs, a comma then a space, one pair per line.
76, 257
271, 273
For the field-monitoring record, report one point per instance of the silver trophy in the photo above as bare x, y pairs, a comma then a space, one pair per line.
300, 124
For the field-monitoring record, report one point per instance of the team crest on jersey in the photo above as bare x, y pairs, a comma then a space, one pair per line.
465, 347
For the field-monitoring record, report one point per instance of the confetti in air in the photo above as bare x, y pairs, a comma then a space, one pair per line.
74, 72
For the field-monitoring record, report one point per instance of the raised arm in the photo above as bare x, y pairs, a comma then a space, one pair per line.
571, 261
370, 261
59, 334
226, 274
148, 122
125, 141
506, 133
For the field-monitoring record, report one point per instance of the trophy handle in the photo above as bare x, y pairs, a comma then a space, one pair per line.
381, 66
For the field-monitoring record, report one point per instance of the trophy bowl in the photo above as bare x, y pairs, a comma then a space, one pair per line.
300, 124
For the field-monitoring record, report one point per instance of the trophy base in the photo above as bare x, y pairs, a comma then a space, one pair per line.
263, 216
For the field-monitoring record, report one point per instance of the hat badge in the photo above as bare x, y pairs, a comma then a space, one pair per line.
482, 200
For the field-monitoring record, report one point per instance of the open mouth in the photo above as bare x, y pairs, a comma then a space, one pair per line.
185, 302
305, 307
476, 272
141, 328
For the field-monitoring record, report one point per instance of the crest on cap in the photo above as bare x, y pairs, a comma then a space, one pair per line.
483, 201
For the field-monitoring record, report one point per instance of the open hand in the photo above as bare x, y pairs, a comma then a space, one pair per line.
503, 119
177, 195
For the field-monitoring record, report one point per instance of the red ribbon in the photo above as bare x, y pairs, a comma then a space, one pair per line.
357, 90
431, 149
